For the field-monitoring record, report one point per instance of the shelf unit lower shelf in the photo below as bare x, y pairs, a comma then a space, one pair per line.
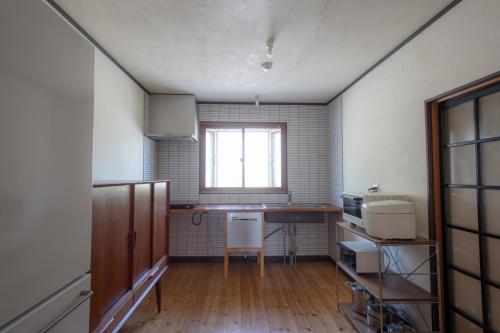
395, 289
357, 320
385, 286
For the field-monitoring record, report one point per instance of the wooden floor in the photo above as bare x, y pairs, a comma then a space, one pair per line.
197, 298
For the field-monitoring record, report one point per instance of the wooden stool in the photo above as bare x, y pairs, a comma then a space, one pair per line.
244, 233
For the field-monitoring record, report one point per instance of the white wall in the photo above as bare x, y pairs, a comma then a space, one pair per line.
383, 114
118, 123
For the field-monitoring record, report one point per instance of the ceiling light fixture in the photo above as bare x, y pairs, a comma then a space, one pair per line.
268, 64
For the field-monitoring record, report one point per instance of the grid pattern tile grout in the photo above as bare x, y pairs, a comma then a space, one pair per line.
150, 159
311, 169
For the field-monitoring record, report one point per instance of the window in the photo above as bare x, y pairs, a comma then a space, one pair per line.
243, 157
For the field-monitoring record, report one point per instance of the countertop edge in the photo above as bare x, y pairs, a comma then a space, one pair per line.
253, 208
106, 183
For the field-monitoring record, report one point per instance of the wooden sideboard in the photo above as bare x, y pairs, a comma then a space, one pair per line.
129, 248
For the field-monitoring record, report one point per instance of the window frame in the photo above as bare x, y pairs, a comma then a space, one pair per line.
243, 125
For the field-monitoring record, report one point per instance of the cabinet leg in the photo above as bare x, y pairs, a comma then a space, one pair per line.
258, 258
158, 295
261, 254
226, 263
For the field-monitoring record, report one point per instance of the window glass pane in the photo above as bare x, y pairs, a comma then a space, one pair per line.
461, 165
226, 155
490, 163
491, 211
460, 324
492, 263
276, 157
465, 294
494, 307
463, 250
262, 159
489, 116
257, 158
459, 123
461, 205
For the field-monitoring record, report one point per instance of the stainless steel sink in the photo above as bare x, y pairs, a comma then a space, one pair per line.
296, 205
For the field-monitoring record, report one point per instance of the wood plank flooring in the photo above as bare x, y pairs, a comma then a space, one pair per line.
197, 298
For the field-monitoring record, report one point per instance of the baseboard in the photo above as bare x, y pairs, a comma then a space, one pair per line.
252, 258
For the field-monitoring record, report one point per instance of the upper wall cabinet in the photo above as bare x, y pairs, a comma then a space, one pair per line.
172, 116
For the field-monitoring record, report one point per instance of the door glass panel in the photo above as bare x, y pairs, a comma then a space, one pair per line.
465, 294
461, 204
491, 211
463, 325
461, 165
489, 116
493, 264
463, 250
490, 163
459, 123
475, 208
494, 307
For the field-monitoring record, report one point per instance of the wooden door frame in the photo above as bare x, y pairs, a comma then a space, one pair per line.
434, 167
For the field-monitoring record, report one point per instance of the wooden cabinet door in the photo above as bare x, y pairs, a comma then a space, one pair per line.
142, 229
110, 259
160, 221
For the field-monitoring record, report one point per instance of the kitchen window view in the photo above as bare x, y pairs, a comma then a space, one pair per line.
243, 157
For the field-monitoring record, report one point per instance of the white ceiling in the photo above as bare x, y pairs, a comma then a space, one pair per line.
214, 48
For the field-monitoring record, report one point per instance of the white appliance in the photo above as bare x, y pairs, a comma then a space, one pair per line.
353, 202
361, 256
46, 119
390, 219
244, 229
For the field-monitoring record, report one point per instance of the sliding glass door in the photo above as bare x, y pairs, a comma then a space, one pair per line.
470, 221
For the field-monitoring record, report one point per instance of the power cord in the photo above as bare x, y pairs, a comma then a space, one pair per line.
200, 215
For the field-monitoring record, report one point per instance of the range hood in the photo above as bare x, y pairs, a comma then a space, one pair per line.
172, 117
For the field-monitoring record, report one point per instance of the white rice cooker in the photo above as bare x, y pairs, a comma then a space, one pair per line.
390, 219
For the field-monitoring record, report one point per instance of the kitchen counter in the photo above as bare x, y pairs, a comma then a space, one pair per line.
223, 207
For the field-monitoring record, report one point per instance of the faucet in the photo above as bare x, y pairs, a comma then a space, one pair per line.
289, 197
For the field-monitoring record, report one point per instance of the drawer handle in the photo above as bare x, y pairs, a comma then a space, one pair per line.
154, 271
84, 295
109, 323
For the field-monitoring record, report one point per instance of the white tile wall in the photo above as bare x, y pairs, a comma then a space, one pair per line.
150, 159
336, 150
309, 177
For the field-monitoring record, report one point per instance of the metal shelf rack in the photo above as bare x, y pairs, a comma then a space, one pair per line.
386, 286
